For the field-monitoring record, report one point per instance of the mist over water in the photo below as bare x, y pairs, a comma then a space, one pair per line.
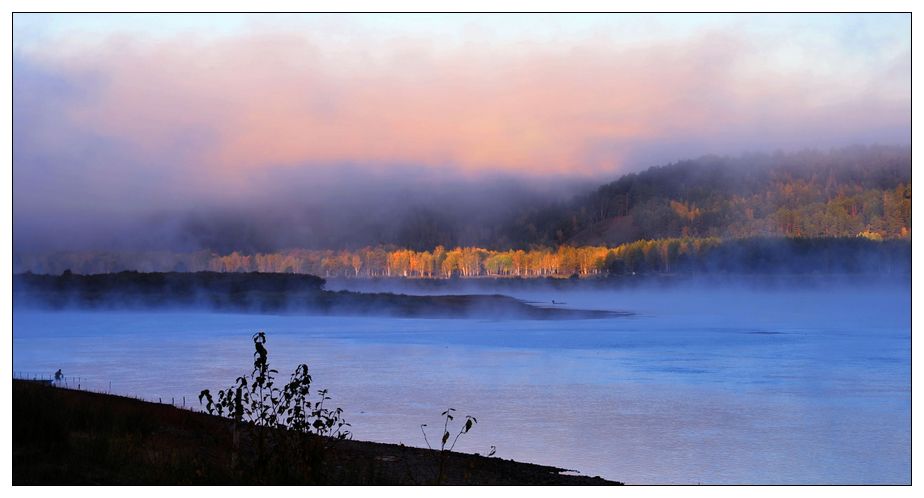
726, 383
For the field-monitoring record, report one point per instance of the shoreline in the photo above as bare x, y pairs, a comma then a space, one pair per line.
265, 293
64, 436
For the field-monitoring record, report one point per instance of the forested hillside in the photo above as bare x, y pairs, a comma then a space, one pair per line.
840, 193
810, 211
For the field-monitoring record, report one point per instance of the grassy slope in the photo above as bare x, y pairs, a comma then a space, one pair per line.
73, 437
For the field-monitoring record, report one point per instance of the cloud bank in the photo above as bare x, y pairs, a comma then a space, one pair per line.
110, 127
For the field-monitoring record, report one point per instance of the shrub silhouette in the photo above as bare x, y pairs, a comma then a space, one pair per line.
257, 401
285, 431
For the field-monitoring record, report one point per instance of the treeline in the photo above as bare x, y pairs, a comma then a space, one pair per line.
668, 255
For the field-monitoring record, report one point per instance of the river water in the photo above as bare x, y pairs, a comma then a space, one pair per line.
703, 384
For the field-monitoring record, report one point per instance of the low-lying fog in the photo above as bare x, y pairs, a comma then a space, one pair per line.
757, 383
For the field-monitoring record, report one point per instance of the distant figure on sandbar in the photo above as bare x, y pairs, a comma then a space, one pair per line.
58, 376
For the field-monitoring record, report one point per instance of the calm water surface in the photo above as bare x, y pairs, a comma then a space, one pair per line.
702, 385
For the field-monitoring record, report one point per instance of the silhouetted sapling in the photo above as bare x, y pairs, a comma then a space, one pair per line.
470, 422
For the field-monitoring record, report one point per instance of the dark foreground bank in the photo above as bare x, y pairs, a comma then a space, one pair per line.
262, 293
63, 436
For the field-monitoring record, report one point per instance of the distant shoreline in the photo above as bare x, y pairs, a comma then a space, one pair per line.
666, 256
264, 293
603, 282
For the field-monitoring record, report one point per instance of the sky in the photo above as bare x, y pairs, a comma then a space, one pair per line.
120, 117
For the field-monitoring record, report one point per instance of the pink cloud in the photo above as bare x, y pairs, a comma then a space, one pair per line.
272, 99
